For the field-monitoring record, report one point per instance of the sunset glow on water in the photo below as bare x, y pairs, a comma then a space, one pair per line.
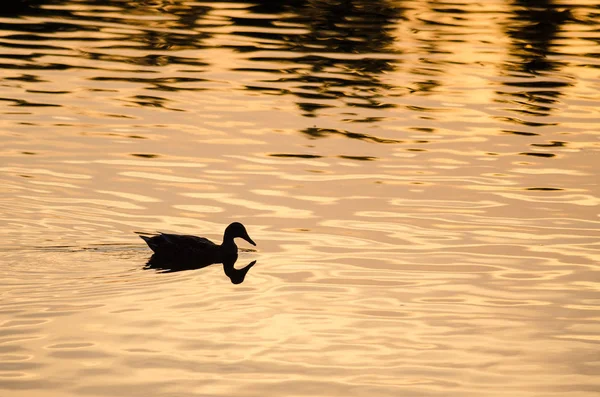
420, 178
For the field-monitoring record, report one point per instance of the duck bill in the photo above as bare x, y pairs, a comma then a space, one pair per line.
248, 239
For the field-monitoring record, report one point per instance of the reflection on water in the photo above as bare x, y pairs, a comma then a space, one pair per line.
421, 177
166, 265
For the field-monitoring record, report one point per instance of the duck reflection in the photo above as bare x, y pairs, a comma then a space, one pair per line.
175, 252
165, 265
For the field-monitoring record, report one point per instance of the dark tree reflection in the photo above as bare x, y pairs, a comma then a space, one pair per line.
533, 29
354, 38
325, 54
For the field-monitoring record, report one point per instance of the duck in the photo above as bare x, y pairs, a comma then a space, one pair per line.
183, 252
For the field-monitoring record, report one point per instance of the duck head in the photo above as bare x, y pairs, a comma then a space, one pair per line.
235, 230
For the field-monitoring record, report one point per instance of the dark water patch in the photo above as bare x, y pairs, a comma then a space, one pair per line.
371, 105
529, 112
359, 158
537, 65
530, 66
159, 84
266, 90
422, 109
28, 78
544, 189
432, 22
320, 62
101, 90
302, 156
19, 7
533, 30
534, 154
359, 73
86, 19
311, 95
162, 87
158, 80
551, 144
29, 153
147, 60
319, 81
120, 116
62, 25
533, 99
523, 122
425, 87
34, 38
422, 129
153, 102
421, 71
538, 84
365, 120
35, 65
24, 103
520, 133
543, 96
310, 108
365, 137
315, 132
27, 46
284, 71
534, 103
48, 92
361, 84
145, 155
328, 26
449, 10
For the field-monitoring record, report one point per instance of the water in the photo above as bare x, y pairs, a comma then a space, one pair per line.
421, 179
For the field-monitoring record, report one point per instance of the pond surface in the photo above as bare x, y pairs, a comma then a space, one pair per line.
420, 177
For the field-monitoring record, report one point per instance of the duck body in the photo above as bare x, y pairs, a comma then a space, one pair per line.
190, 248
191, 252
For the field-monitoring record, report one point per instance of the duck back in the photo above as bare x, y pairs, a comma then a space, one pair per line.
184, 247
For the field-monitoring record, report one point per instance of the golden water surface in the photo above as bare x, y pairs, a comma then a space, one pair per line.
421, 179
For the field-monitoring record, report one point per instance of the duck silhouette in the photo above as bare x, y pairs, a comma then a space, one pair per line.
175, 252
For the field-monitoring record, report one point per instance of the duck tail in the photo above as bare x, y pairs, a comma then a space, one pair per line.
149, 241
